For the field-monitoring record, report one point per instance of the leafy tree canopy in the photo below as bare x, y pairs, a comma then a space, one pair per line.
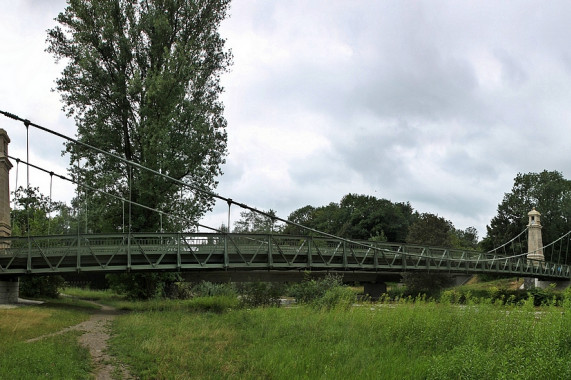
37, 214
359, 217
549, 192
432, 230
364, 217
142, 79
253, 222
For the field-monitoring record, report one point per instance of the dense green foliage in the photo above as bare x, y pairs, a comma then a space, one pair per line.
143, 285
253, 294
363, 217
435, 231
548, 192
431, 230
35, 214
254, 222
357, 217
41, 286
311, 289
142, 79
210, 289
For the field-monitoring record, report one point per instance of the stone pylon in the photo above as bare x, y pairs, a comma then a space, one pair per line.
9, 287
534, 248
534, 240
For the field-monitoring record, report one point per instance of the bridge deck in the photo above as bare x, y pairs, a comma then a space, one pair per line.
240, 252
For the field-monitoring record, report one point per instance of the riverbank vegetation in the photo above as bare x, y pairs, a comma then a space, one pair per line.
333, 334
413, 339
484, 333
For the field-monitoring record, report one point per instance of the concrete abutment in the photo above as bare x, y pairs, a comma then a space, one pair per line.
9, 290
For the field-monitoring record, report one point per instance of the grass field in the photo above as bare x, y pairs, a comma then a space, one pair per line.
58, 357
219, 338
422, 340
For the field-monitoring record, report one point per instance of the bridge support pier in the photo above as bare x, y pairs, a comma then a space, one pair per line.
9, 290
461, 279
9, 287
374, 290
531, 283
534, 249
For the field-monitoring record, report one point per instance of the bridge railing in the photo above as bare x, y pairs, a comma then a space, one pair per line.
211, 251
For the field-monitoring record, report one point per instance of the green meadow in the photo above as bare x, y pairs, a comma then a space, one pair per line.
220, 338
57, 357
408, 340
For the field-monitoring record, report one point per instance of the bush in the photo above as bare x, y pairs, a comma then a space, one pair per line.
253, 294
502, 296
337, 297
209, 289
548, 296
430, 284
144, 286
41, 286
311, 289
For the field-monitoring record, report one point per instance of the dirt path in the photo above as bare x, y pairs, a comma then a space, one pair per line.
95, 337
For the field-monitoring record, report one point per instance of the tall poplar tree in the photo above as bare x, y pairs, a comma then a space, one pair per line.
142, 81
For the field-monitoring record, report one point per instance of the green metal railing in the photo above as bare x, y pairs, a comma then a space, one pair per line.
243, 252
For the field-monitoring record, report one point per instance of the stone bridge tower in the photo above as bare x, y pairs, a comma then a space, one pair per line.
534, 248
8, 286
534, 241
5, 166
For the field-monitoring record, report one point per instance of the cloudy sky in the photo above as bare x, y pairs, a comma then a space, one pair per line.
439, 103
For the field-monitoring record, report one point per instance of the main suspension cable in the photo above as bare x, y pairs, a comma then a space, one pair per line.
177, 181
230, 201
509, 242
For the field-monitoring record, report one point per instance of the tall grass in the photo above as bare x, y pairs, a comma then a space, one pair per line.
407, 340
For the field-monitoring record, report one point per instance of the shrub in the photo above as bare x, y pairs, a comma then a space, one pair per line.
502, 296
430, 284
143, 286
41, 286
337, 297
210, 289
255, 294
311, 289
546, 296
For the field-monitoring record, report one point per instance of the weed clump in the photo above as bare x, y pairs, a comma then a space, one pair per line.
254, 294
210, 289
324, 293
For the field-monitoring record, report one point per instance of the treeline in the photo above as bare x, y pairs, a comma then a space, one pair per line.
550, 193
364, 217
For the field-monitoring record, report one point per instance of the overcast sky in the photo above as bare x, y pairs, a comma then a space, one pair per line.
439, 103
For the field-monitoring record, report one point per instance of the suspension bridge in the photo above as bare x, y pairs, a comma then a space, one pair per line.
239, 257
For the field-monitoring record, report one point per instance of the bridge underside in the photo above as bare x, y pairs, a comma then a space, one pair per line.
250, 276
236, 257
